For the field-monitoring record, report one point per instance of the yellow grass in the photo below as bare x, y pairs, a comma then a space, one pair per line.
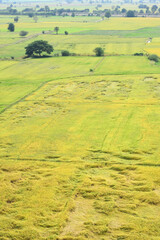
79, 142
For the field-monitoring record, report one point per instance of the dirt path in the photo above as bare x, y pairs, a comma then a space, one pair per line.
97, 65
23, 39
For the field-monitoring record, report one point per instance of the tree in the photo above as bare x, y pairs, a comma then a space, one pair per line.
116, 10
65, 53
148, 11
108, 14
143, 6
23, 33
37, 47
35, 18
130, 13
56, 29
124, 10
11, 27
141, 11
66, 33
47, 9
153, 57
73, 14
99, 51
13, 11
30, 15
16, 19
154, 8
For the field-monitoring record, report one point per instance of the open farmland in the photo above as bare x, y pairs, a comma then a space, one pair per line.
122, 36
79, 142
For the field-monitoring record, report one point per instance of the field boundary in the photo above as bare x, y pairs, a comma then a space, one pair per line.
51, 80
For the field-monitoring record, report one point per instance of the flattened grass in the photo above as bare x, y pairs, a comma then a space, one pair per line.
21, 78
79, 155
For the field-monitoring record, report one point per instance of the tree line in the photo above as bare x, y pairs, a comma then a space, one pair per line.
38, 47
46, 11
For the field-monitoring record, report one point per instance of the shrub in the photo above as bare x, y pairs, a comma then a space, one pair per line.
16, 19
65, 53
138, 54
73, 54
153, 57
30, 15
108, 14
99, 51
130, 13
11, 27
56, 29
23, 33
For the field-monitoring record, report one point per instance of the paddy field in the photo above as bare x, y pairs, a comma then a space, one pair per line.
79, 149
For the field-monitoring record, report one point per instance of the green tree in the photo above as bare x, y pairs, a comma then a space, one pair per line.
108, 14
66, 33
30, 15
47, 9
56, 29
23, 33
124, 10
65, 53
73, 14
148, 11
11, 27
130, 13
16, 19
35, 18
99, 51
37, 47
153, 57
154, 8
141, 11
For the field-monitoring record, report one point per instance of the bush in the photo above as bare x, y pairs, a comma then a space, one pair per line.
108, 14
130, 13
138, 54
65, 53
99, 51
66, 33
11, 27
73, 54
153, 57
30, 15
23, 33
16, 19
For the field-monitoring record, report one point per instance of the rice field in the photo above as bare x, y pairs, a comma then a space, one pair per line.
79, 149
123, 36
